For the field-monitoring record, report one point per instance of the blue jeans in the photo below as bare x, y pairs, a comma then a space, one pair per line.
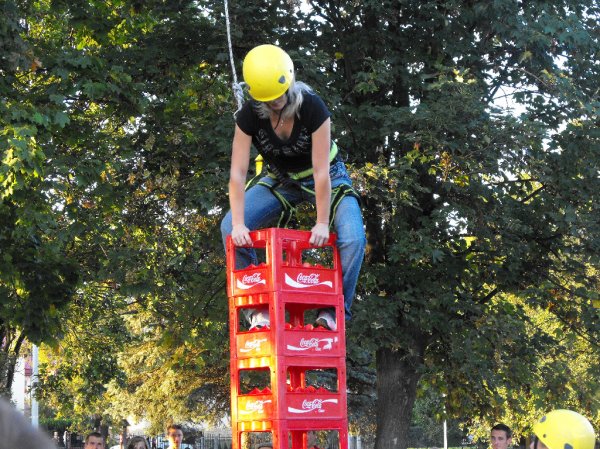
262, 209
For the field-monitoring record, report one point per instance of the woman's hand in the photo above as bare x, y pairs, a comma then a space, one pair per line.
319, 234
240, 235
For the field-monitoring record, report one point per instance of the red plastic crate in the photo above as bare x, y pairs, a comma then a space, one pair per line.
281, 431
293, 406
289, 287
289, 342
278, 274
305, 298
293, 338
293, 400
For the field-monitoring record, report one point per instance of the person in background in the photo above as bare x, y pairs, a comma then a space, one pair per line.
563, 429
94, 440
174, 436
500, 436
137, 443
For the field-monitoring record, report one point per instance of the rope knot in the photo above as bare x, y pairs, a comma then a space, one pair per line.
238, 92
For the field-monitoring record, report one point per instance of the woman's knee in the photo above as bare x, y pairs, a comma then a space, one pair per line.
226, 225
355, 243
349, 224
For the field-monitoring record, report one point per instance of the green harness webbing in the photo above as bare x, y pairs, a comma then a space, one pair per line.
288, 210
333, 152
291, 177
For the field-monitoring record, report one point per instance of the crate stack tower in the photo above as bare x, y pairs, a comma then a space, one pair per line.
290, 350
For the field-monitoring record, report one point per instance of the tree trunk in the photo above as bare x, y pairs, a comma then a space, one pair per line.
13, 357
397, 378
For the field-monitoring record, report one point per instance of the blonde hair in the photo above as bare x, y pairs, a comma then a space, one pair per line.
295, 96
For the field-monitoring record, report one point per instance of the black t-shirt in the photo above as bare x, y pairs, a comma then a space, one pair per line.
294, 154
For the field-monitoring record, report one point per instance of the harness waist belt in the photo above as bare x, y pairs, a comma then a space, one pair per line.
333, 152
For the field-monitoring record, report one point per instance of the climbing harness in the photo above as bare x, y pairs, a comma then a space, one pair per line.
288, 210
282, 178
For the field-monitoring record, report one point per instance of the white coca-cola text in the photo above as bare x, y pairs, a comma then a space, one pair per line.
309, 343
315, 404
254, 344
312, 278
256, 406
251, 279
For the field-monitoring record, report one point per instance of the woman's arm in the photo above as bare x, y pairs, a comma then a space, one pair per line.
321, 143
240, 159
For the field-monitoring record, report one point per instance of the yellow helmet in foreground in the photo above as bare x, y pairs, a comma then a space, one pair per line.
565, 429
268, 72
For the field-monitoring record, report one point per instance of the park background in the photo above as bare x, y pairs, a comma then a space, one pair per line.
470, 129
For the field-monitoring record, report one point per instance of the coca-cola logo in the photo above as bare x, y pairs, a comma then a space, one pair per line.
315, 404
253, 345
255, 406
250, 280
312, 278
312, 405
309, 343
306, 280
315, 344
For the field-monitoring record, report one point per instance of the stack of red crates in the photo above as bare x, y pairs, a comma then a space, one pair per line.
289, 349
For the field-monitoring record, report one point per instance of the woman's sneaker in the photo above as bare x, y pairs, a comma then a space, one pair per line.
326, 319
259, 320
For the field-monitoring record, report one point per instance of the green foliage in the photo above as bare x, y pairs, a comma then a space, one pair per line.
428, 423
75, 373
37, 278
127, 122
56, 425
469, 207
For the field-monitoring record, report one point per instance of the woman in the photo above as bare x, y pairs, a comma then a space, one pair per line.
137, 443
290, 127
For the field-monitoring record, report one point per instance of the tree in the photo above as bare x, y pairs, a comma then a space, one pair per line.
75, 374
132, 182
37, 279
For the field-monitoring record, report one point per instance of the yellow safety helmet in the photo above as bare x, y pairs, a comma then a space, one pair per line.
565, 429
268, 72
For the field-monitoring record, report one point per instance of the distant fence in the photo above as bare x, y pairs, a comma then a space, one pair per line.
207, 441
214, 442
220, 441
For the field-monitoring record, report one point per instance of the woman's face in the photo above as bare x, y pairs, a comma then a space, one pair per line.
139, 445
278, 104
